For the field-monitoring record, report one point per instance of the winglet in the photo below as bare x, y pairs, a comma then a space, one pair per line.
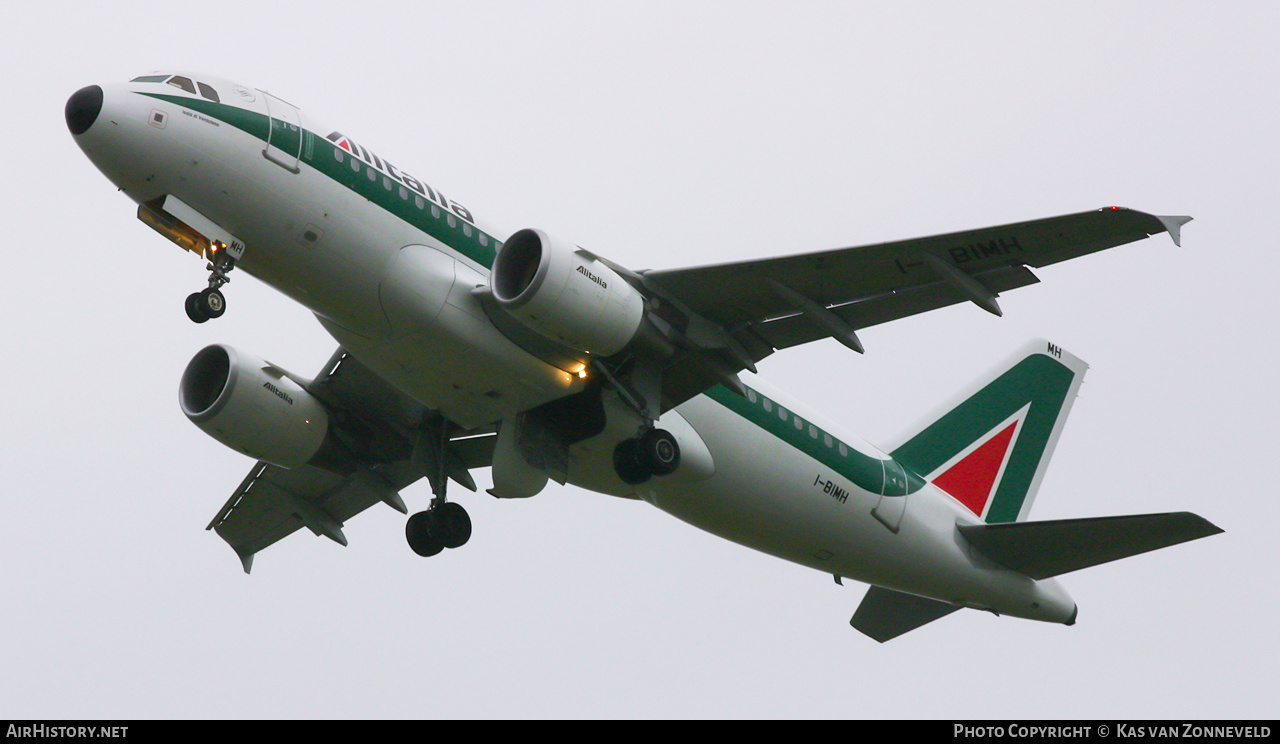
1174, 226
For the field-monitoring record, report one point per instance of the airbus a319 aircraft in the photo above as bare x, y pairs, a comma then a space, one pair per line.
460, 348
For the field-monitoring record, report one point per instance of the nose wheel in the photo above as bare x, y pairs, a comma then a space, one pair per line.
210, 303
655, 452
206, 305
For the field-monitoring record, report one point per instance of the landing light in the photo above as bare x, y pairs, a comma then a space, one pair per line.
173, 229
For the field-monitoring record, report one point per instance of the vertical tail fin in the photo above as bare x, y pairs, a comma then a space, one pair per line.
989, 447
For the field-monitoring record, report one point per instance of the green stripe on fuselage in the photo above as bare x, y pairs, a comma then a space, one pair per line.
247, 121
869, 473
322, 155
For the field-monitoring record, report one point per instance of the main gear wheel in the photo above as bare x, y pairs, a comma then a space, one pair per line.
656, 452
445, 526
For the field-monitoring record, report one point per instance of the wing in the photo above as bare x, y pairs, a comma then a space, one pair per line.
775, 303
272, 503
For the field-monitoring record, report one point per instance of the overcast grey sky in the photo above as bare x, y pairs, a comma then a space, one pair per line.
664, 135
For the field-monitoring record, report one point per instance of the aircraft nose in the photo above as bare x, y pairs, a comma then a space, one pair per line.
83, 108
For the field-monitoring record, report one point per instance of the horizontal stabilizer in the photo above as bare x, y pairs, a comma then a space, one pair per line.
1044, 549
885, 613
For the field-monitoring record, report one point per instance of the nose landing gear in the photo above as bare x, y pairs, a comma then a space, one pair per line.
210, 303
205, 305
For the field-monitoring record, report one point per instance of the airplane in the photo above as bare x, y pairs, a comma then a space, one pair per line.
459, 348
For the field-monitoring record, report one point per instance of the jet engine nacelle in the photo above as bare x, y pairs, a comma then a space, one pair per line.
252, 407
565, 293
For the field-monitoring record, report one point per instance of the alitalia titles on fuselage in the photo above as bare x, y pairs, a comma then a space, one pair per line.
415, 185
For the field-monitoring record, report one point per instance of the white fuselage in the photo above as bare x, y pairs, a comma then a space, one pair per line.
389, 266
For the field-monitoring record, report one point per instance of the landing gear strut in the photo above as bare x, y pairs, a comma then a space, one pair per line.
655, 452
445, 524
210, 303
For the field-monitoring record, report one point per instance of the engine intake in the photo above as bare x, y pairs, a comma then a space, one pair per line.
565, 293
255, 408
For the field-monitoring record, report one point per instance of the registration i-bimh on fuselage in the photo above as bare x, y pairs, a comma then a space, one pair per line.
462, 348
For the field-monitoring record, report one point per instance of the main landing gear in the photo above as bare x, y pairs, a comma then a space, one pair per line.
433, 530
445, 524
655, 452
210, 303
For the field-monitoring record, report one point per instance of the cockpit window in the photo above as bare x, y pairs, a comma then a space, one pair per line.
185, 83
178, 81
208, 92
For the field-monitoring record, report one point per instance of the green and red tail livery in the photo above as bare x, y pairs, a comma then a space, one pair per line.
989, 448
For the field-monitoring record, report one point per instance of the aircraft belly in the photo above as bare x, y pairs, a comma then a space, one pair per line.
591, 460
762, 494
443, 351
